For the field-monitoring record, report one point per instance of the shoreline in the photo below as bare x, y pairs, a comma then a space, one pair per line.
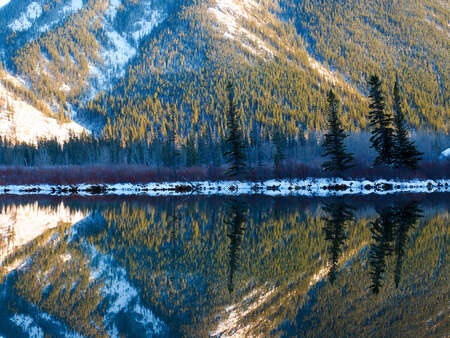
273, 187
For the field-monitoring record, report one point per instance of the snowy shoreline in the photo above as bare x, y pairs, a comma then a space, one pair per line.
300, 187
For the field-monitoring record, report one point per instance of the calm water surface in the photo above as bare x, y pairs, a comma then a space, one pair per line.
221, 266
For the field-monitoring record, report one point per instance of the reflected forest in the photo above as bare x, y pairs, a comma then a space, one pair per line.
255, 265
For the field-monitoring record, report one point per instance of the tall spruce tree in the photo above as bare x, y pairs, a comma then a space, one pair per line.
334, 147
380, 122
235, 146
405, 151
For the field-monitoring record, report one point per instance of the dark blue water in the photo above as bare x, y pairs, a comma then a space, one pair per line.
221, 266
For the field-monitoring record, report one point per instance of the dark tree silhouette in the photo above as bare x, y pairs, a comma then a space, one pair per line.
235, 146
191, 152
338, 215
235, 219
333, 144
279, 143
382, 235
380, 123
170, 153
406, 218
405, 152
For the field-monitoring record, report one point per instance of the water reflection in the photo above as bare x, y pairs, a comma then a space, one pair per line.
254, 266
389, 232
234, 220
339, 214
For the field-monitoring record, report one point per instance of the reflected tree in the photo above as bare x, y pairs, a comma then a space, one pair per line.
382, 234
234, 220
390, 234
406, 219
338, 215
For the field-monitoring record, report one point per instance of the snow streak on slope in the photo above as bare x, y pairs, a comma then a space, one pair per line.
230, 13
27, 324
25, 21
120, 46
75, 5
120, 52
21, 122
150, 20
234, 15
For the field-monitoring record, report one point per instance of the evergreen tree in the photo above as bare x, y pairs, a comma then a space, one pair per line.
279, 156
191, 152
170, 152
334, 140
235, 153
405, 152
380, 122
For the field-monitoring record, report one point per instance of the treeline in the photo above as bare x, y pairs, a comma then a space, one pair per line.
88, 149
390, 141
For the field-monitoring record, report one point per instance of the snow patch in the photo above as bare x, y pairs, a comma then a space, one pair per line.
33, 12
147, 318
324, 72
111, 11
143, 27
445, 155
27, 324
228, 13
120, 53
4, 3
75, 5
229, 326
21, 122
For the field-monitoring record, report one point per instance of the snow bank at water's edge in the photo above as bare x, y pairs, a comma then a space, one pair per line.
300, 187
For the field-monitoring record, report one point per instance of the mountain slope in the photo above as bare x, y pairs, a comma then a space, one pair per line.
406, 39
144, 68
24, 119
181, 71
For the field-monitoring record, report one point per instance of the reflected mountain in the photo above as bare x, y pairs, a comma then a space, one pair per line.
255, 266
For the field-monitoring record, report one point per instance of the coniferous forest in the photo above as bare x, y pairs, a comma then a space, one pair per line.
167, 104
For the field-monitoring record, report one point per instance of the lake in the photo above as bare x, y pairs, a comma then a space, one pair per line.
199, 266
